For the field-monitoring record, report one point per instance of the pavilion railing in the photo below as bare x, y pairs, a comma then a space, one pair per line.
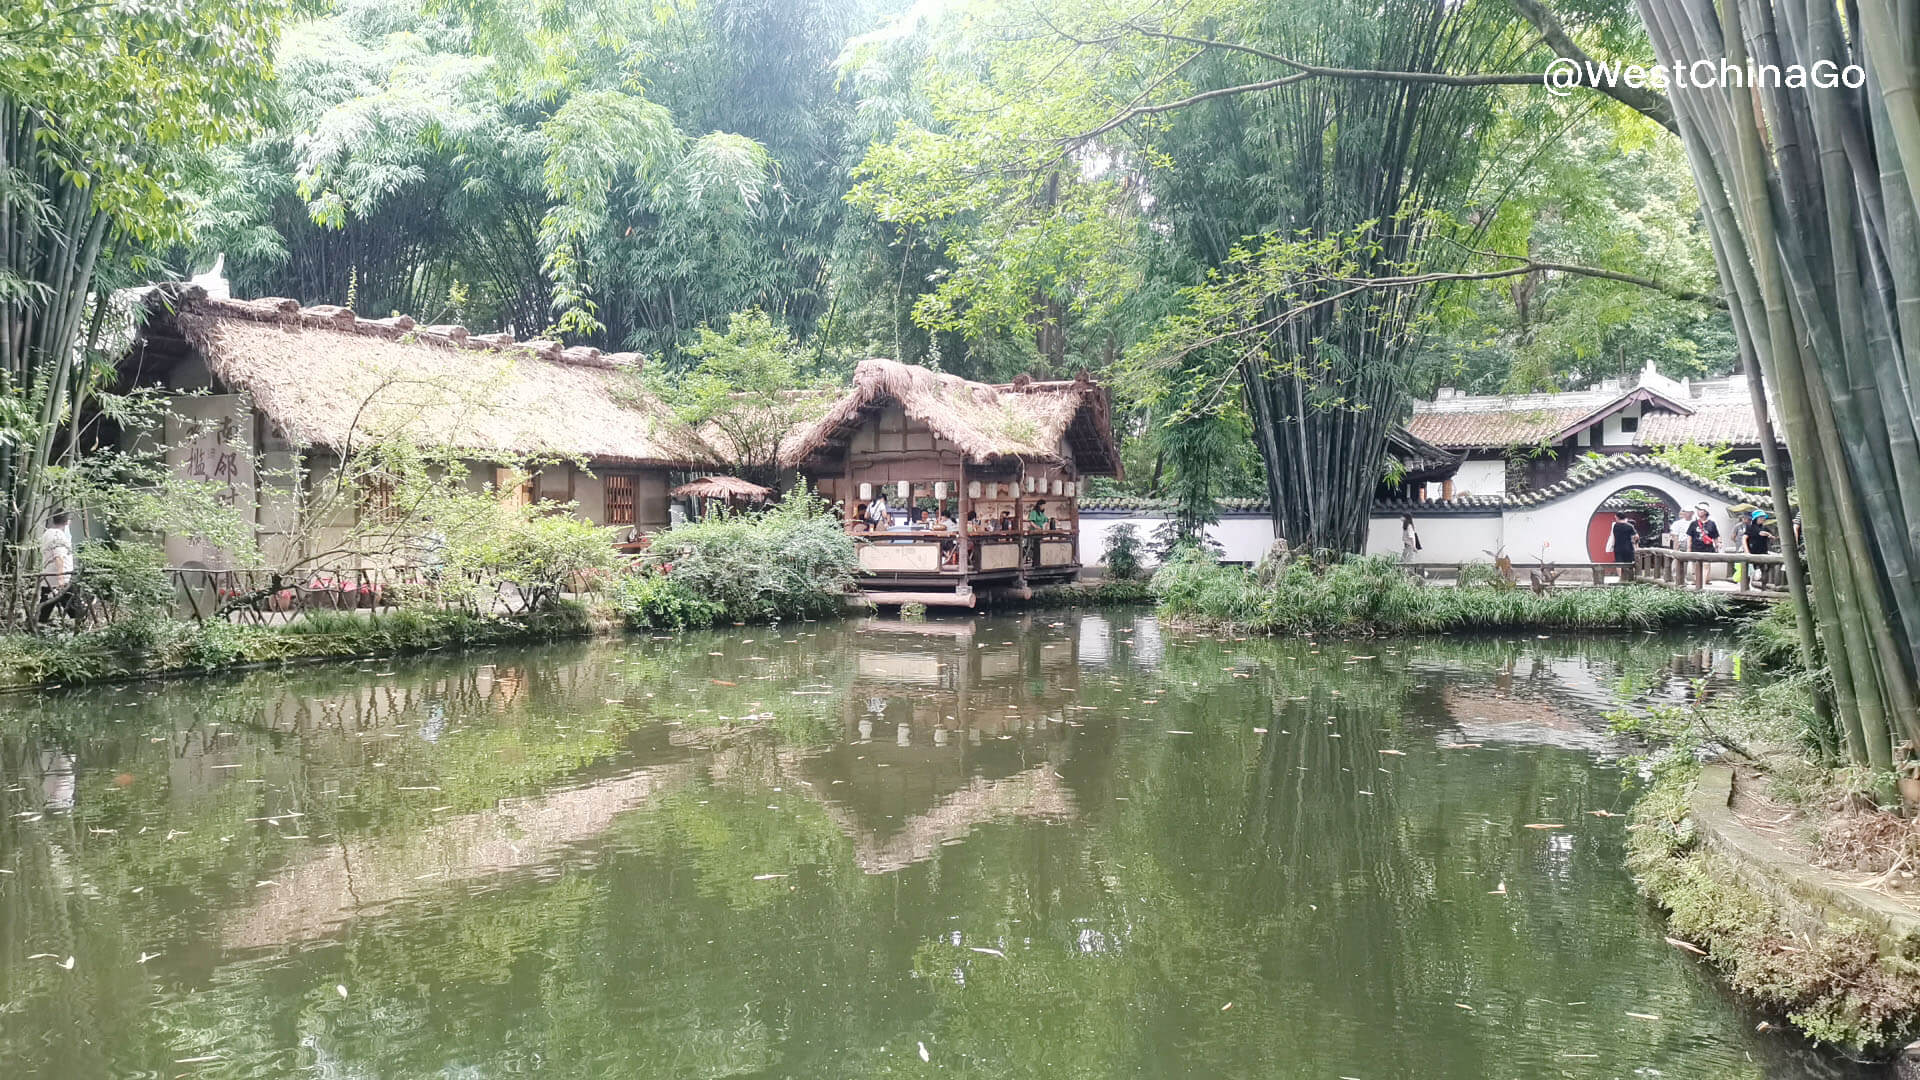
1757, 574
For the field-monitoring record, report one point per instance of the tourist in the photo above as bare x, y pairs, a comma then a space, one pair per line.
1759, 541
1409, 538
1006, 521
878, 516
1703, 538
56, 570
1037, 517
1621, 543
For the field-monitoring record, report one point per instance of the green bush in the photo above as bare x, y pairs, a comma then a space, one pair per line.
1773, 639
130, 578
1123, 552
1374, 594
658, 602
542, 554
788, 562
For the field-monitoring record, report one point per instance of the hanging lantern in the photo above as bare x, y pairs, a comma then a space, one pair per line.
1059, 486
993, 490
973, 489
1073, 488
1029, 485
866, 492
905, 489
940, 490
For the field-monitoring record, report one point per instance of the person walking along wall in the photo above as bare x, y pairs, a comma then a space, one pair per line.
1703, 537
1625, 536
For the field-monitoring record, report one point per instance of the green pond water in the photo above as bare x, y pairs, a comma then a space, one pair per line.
1051, 845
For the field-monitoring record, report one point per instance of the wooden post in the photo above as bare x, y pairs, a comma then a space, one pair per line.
964, 505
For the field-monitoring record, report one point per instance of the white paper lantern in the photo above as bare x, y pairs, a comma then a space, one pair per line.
973, 489
1073, 488
1059, 486
905, 489
1029, 484
940, 490
866, 492
993, 490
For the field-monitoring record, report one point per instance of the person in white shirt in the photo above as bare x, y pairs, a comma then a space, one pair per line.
56, 569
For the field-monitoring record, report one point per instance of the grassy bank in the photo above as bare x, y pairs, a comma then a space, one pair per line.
1822, 970
1373, 595
156, 646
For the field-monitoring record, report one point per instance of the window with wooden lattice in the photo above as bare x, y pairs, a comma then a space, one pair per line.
376, 500
622, 499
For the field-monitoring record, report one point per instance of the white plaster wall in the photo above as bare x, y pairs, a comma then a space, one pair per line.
1610, 433
209, 441
1245, 538
1563, 522
1481, 478
1444, 538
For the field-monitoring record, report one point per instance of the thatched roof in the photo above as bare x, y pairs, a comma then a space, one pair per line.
327, 378
723, 487
1065, 422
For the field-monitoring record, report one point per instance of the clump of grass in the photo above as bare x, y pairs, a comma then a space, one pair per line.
157, 645
1375, 595
1772, 639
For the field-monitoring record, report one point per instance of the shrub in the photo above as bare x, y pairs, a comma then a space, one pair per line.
1123, 552
1373, 594
130, 578
791, 561
658, 602
1773, 639
542, 554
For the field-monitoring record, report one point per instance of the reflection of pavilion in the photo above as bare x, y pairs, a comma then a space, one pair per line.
360, 877
943, 733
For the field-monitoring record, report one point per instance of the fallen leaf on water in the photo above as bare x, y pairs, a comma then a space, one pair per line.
1603, 813
1643, 1016
723, 682
767, 877
1545, 825
341, 988
1395, 753
924, 1056
1227, 1006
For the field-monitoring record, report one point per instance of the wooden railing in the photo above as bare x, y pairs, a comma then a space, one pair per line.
1756, 574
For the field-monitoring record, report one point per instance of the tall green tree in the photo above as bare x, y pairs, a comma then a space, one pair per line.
103, 107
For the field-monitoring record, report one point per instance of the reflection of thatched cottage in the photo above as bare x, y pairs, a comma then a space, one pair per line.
269, 390
978, 455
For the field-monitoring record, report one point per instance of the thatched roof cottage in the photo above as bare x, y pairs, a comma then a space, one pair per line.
957, 484
268, 389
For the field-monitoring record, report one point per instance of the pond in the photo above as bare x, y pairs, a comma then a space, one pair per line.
1046, 845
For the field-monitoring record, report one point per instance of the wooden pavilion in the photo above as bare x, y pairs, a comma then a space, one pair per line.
958, 486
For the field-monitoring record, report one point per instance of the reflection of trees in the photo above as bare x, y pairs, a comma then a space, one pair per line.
726, 924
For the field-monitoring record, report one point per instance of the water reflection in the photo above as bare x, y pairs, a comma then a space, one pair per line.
1051, 845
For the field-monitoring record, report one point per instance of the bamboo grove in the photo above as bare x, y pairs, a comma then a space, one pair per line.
1812, 197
